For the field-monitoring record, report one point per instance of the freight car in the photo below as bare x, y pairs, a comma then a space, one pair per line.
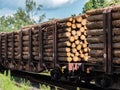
43, 47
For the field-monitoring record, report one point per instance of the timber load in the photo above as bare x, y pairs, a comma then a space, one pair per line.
95, 34
63, 40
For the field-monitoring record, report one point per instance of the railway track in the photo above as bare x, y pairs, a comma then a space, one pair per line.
42, 79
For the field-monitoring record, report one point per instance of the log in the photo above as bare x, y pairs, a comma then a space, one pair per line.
73, 21
82, 29
63, 54
85, 33
24, 57
59, 54
72, 55
82, 37
81, 55
99, 53
79, 19
79, 33
76, 58
96, 53
116, 23
48, 58
69, 29
69, 24
68, 54
96, 46
77, 54
47, 41
99, 24
96, 60
74, 32
63, 39
76, 37
84, 21
95, 11
47, 46
99, 17
70, 19
116, 60
95, 32
95, 25
73, 26
86, 49
67, 59
116, 53
73, 45
77, 42
78, 25
72, 38
68, 43
98, 39
68, 34
84, 45
61, 25
74, 50
61, 35
86, 57
79, 47
64, 44
101, 60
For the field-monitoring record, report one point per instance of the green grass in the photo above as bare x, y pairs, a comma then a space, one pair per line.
7, 84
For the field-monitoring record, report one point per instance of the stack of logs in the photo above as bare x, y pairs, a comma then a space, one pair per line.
71, 41
2, 45
77, 46
96, 35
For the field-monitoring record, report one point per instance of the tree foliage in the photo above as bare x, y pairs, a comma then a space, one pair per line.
22, 17
94, 4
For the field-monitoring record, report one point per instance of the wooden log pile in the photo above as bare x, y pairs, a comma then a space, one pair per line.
2, 45
71, 41
76, 46
95, 34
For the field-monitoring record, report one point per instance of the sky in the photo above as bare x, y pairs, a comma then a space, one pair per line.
51, 8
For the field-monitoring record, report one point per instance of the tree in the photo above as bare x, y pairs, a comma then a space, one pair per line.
94, 4
22, 17
113, 2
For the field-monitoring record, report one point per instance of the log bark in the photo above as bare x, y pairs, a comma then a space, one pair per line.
99, 53
96, 46
99, 17
95, 25
101, 60
63, 39
96, 11
95, 32
96, 53
98, 39
99, 24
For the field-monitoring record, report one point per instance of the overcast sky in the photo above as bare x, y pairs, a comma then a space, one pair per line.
52, 8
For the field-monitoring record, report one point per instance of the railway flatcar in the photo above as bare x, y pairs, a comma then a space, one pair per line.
80, 48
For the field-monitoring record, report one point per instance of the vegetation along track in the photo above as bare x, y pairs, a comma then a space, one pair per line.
43, 79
